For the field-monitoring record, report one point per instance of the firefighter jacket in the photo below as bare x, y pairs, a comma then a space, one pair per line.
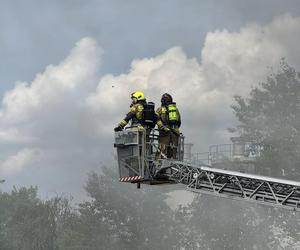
135, 114
169, 117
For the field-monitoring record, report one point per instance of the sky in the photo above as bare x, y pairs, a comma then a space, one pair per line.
67, 69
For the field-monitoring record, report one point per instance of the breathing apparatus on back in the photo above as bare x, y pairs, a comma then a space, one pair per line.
167, 101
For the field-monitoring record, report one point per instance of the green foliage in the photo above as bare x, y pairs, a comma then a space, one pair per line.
121, 217
270, 118
22, 220
26, 222
218, 223
118, 216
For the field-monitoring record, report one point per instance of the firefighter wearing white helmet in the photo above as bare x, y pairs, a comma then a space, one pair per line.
136, 111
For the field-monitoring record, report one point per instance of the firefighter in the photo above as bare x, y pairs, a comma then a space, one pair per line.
168, 123
136, 112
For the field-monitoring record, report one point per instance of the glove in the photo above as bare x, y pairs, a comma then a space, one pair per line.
165, 129
176, 133
119, 128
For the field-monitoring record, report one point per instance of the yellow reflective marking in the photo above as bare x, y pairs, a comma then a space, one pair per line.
172, 112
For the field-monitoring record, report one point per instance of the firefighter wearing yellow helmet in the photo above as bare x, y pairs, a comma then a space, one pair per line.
136, 111
168, 123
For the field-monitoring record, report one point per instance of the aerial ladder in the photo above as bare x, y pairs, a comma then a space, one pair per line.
138, 163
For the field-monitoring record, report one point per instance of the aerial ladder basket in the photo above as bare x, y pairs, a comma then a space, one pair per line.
137, 153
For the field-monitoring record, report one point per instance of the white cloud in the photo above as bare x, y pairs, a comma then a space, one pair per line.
12, 135
243, 58
231, 63
48, 115
18, 162
70, 110
57, 85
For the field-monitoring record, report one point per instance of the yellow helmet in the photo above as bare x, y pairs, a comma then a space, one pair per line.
138, 96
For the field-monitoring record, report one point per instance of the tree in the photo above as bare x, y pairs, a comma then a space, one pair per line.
120, 216
116, 216
270, 118
221, 223
28, 223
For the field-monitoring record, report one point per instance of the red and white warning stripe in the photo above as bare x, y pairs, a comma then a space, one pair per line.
131, 178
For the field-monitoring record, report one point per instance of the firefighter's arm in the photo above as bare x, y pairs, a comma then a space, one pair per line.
125, 121
159, 122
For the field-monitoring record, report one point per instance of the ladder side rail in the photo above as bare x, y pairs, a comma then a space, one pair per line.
263, 189
253, 176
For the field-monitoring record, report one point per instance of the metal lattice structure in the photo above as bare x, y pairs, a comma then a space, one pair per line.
235, 185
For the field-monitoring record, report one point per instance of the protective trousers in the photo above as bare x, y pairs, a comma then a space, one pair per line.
167, 145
